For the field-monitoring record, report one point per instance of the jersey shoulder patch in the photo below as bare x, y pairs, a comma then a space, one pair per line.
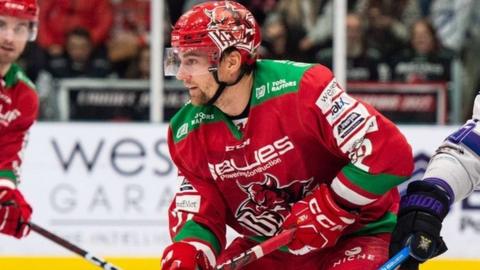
190, 118
274, 78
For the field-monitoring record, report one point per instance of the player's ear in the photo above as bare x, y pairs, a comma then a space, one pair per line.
233, 61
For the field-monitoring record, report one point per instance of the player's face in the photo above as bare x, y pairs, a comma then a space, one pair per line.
194, 72
14, 34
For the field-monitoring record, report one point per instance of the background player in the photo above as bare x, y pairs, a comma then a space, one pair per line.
18, 111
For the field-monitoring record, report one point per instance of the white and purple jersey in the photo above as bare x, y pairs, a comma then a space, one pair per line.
456, 165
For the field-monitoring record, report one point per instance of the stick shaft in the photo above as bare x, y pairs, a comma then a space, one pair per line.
258, 251
396, 260
72, 247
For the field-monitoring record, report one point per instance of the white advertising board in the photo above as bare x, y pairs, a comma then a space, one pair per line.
107, 188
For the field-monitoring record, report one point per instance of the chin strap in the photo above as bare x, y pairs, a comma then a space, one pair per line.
222, 85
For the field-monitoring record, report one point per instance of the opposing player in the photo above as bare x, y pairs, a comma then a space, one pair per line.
18, 111
267, 145
452, 174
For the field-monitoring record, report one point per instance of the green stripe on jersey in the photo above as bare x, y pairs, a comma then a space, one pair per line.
191, 229
14, 74
191, 117
377, 184
9, 175
386, 224
276, 77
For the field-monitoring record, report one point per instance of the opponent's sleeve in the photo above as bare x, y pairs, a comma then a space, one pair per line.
197, 212
378, 156
13, 136
457, 160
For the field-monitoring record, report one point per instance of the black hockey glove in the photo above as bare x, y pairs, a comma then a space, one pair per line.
422, 211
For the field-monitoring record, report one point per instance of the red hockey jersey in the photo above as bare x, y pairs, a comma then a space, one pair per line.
303, 129
18, 111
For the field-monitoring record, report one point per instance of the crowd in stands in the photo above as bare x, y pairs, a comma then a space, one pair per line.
387, 40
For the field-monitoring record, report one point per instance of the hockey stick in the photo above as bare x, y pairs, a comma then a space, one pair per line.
396, 260
258, 251
75, 249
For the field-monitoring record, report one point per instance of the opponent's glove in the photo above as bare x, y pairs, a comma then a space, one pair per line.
14, 213
184, 256
422, 211
319, 221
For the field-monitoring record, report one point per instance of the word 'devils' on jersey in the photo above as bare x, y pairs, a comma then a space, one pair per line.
303, 129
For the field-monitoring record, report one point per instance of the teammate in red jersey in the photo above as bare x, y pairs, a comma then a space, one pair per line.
267, 145
18, 111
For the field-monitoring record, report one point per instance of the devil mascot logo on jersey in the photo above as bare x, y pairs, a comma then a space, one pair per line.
268, 203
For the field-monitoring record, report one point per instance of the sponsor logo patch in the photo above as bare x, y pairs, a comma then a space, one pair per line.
352, 121
341, 104
325, 101
260, 91
256, 162
188, 203
182, 131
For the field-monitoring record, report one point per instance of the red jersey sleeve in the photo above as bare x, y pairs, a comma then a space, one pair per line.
17, 117
197, 211
378, 155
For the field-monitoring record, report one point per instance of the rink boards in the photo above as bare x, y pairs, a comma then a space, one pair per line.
107, 187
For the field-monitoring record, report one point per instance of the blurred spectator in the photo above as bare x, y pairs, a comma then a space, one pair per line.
188, 4
80, 59
140, 67
458, 27
425, 6
298, 28
362, 62
388, 23
259, 8
425, 59
130, 31
175, 9
58, 17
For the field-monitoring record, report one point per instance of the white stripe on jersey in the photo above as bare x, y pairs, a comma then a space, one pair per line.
348, 194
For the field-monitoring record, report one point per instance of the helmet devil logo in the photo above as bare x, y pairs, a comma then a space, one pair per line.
223, 15
231, 27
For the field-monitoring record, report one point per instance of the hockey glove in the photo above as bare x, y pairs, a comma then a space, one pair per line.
184, 256
422, 211
319, 221
6, 190
15, 215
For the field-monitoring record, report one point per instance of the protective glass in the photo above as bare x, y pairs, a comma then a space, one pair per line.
190, 61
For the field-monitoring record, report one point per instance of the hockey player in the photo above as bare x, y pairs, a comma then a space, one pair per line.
452, 174
266, 145
18, 111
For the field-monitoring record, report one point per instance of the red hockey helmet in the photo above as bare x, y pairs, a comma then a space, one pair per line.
214, 26
22, 9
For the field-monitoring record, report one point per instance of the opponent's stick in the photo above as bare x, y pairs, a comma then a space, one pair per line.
258, 251
396, 260
75, 249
